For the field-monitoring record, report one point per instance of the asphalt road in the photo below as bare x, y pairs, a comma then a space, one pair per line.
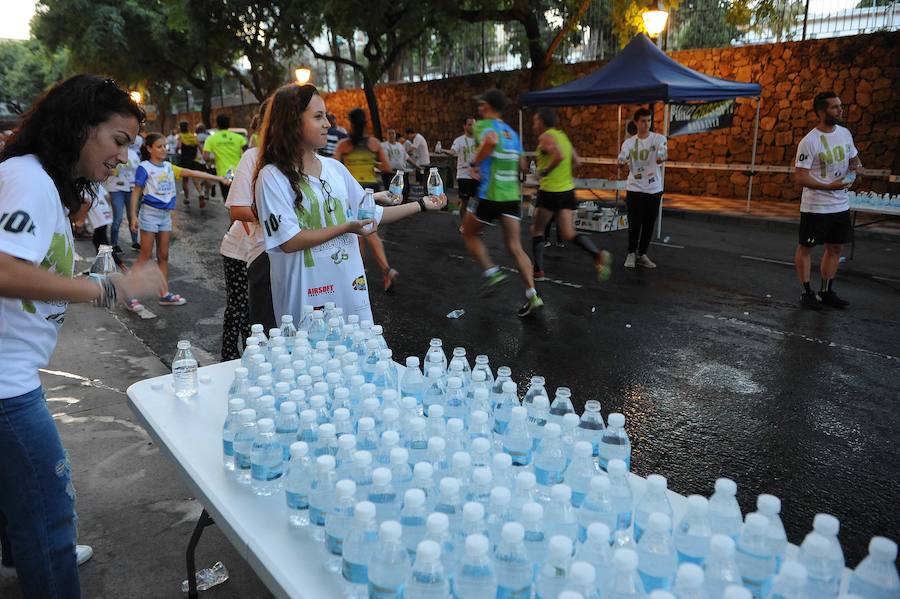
714, 366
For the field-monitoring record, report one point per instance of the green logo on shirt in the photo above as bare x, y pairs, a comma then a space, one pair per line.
829, 156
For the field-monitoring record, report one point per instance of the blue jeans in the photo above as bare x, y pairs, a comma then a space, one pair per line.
37, 499
119, 201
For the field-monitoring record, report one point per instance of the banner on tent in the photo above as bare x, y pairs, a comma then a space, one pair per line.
685, 119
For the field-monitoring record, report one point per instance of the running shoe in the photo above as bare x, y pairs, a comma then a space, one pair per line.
810, 301
389, 278
603, 265
117, 249
830, 298
547, 244
532, 305
136, 246
172, 299
134, 305
539, 275
83, 553
646, 262
490, 284
630, 261
560, 244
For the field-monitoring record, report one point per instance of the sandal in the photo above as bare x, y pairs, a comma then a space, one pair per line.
172, 299
134, 305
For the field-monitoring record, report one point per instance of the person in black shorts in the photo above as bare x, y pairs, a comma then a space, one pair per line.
826, 166
187, 148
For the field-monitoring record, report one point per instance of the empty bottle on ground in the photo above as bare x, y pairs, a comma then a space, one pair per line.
614, 442
720, 570
724, 511
876, 576
657, 559
693, 532
790, 583
754, 557
554, 572
653, 500
360, 543
389, 566
514, 571
184, 371
476, 578
428, 579
625, 583
297, 482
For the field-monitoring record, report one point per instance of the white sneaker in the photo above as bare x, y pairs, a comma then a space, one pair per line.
646, 262
629, 261
83, 553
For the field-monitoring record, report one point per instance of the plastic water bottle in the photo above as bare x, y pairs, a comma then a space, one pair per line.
287, 424
317, 328
396, 186
244, 437
389, 566
435, 348
360, 545
622, 501
401, 473
513, 567
482, 363
435, 184
434, 389
561, 518
693, 533
523, 491
653, 500
327, 441
383, 496
689, 582
498, 513
266, 460
754, 558
595, 549
876, 576
251, 349
455, 439
343, 460
554, 572
437, 529
737, 592
288, 331
724, 511
412, 383
568, 435
390, 440
412, 518
472, 522
321, 495
366, 435
583, 580
423, 479
814, 554
504, 374
721, 569
476, 578
539, 414
478, 380
461, 469
232, 422
455, 399
517, 439
265, 408
656, 554
184, 371
479, 422
580, 472
436, 455
625, 583
770, 506
449, 502
614, 442
561, 405
597, 508
428, 579
535, 389
828, 526
297, 483
366, 208
550, 461
591, 427
790, 583
502, 471
240, 384
503, 406
338, 521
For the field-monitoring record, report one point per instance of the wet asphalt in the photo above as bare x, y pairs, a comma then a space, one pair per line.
716, 369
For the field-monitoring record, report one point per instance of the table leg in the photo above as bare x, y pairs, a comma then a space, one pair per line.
202, 522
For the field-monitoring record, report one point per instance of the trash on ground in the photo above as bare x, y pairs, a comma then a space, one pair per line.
456, 313
208, 577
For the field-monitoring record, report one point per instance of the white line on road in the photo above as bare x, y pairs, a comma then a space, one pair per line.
508, 269
667, 245
886, 279
767, 260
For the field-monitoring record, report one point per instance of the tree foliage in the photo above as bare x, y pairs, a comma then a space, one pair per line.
27, 68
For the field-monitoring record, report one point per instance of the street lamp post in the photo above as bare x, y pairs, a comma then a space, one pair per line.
303, 75
655, 21
136, 96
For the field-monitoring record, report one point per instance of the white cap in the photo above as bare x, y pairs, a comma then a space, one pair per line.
826, 524
616, 419
266, 401
256, 328
326, 429
184, 344
659, 522
509, 387
816, 545
435, 411
408, 403
625, 559
357, 380
240, 372
390, 530
736, 592
481, 445
656, 483
461, 459
570, 595
552, 430
287, 407
436, 444
381, 477
399, 455
479, 416
883, 549
366, 423
274, 332
584, 449
307, 416
616, 467
417, 424
512, 532
721, 545
726, 486
502, 460
698, 504
599, 484
454, 382
297, 395
362, 458
390, 437
412, 362
423, 470
283, 387
265, 380
518, 413
689, 577
660, 594
476, 545
428, 550
525, 480
368, 390
794, 573
377, 329
473, 511
304, 380
372, 344
287, 318
437, 523
345, 488
583, 574
299, 449
559, 548
254, 392
325, 462
541, 402
371, 404
482, 476
500, 496
756, 523
449, 485
598, 532
346, 441
768, 505
266, 425
434, 372
317, 401
414, 498
248, 415
364, 511
455, 425
237, 404
561, 493
249, 342
532, 512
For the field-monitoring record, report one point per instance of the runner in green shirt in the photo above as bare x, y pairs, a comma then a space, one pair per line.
227, 147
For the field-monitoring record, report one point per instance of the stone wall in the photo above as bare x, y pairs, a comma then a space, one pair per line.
863, 70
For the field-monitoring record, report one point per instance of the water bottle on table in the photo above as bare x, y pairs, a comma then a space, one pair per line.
428, 579
184, 371
656, 554
297, 484
552, 578
689, 582
721, 569
337, 523
360, 545
266, 460
754, 557
244, 437
790, 583
476, 578
625, 583
876, 576
653, 500
232, 422
724, 511
693, 533
513, 567
614, 442
389, 567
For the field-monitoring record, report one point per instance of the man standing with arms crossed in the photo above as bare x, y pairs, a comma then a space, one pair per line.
498, 162
826, 165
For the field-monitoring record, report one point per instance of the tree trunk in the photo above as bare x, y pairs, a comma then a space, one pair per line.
351, 45
372, 103
336, 51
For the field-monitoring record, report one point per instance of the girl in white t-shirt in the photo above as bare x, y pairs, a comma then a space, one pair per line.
308, 205
154, 188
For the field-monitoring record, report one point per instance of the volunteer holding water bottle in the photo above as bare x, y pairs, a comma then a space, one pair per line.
309, 209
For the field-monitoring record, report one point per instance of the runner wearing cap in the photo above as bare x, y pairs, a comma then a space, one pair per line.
496, 165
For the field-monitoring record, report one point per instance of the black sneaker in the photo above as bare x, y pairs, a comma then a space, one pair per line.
117, 249
810, 301
136, 246
830, 298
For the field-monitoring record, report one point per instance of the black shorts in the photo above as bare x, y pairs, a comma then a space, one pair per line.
468, 188
816, 229
555, 201
191, 165
487, 211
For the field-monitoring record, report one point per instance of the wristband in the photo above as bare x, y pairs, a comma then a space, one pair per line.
421, 203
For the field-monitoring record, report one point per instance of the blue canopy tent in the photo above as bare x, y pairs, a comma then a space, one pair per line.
642, 73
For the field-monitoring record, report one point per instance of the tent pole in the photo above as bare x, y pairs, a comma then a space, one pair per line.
618, 145
662, 171
753, 153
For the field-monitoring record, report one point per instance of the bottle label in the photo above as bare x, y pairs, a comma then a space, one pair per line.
334, 544
623, 520
396, 190
227, 447
684, 558
654, 583
316, 516
242, 460
577, 499
264, 472
519, 458
297, 501
354, 573
381, 592
508, 593
547, 478
435, 190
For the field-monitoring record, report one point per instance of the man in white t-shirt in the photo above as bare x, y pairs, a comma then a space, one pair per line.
399, 160
418, 151
464, 148
826, 165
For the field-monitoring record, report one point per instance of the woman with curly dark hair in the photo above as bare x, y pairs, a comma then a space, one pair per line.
71, 138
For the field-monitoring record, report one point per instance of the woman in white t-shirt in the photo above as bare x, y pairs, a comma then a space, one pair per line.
308, 205
119, 186
74, 135
642, 153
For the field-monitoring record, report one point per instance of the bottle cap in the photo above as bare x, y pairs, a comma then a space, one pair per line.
726, 486
462, 460
184, 344
500, 496
519, 413
346, 442
477, 545
583, 574
599, 484
454, 382
616, 420
399, 455
479, 416
308, 416
768, 505
660, 594
552, 430
479, 375
436, 444
435, 411
437, 523
414, 498
826, 524
598, 532
364, 511
366, 423
455, 425
512, 532
482, 476
502, 461
325, 462
689, 577
625, 559
794, 573
561, 493
389, 437
381, 477
428, 550
532, 512
237, 404
341, 393
816, 545
657, 483
473, 511
449, 486
423, 470
509, 387
481, 445
362, 458
327, 430
541, 402
698, 504
266, 425
390, 530
583, 449
525, 481
616, 467
299, 449
345, 488
417, 424
883, 549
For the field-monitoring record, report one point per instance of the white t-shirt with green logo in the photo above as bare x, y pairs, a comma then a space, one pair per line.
122, 178
827, 156
34, 228
644, 174
464, 147
330, 272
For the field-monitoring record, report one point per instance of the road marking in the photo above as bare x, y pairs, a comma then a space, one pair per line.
667, 245
765, 329
771, 261
508, 269
886, 279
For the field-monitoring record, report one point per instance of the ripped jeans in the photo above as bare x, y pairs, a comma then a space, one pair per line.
37, 499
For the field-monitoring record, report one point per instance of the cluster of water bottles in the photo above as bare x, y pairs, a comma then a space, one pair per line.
431, 486
870, 198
